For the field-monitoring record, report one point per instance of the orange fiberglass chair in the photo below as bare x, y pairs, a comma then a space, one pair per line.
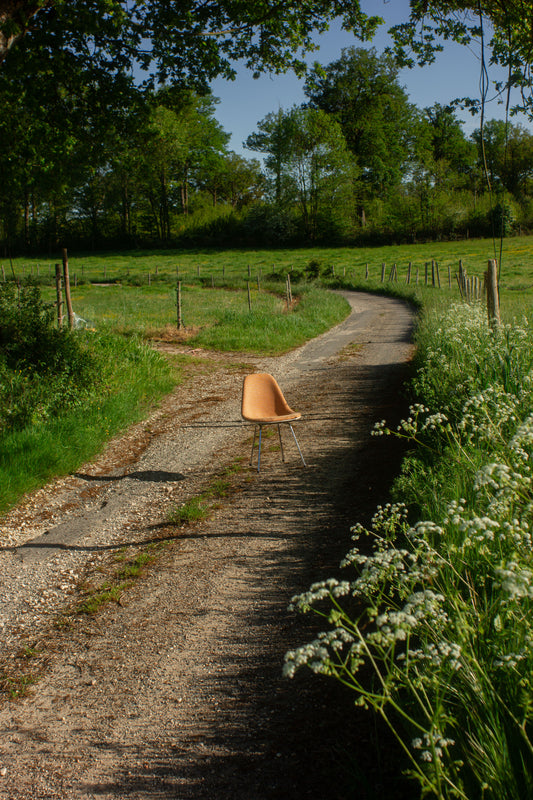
263, 403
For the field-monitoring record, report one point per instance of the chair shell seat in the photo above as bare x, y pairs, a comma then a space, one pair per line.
264, 404
272, 420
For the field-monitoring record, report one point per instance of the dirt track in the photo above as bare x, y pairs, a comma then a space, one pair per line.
176, 690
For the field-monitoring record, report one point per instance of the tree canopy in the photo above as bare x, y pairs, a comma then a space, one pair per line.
192, 41
361, 91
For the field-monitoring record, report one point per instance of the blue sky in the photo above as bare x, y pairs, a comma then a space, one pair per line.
245, 101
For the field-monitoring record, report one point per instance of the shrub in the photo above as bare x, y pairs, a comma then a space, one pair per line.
43, 370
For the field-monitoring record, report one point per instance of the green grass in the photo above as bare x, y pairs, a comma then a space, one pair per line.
220, 318
225, 266
134, 379
147, 307
442, 617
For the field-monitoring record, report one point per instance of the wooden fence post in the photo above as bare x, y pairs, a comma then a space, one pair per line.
178, 305
249, 296
493, 298
366, 271
382, 273
66, 279
59, 296
408, 279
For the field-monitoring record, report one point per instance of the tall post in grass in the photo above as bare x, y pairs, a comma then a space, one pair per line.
366, 271
437, 273
66, 279
408, 279
178, 305
493, 298
460, 284
59, 297
449, 277
382, 272
249, 295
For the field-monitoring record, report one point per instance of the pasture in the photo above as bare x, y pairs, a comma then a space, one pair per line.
226, 290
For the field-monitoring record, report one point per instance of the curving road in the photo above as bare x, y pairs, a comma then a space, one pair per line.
176, 692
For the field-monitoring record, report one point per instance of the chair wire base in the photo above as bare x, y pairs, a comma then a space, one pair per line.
280, 442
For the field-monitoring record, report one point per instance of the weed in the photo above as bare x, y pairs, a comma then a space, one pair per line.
17, 686
192, 510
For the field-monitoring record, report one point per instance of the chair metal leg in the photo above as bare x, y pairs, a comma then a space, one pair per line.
281, 443
259, 454
297, 445
253, 445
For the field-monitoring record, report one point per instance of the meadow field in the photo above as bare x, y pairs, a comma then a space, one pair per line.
135, 292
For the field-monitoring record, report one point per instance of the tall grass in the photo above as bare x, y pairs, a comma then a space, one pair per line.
440, 611
275, 330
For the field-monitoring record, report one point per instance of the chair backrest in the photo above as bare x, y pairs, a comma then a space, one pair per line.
262, 398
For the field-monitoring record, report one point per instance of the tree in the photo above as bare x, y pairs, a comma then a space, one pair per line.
313, 168
274, 139
508, 23
184, 41
194, 41
507, 152
361, 91
232, 179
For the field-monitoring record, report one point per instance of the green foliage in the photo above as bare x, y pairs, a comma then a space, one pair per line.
43, 370
439, 609
42, 444
361, 92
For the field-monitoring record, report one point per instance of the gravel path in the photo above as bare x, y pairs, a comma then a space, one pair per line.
175, 689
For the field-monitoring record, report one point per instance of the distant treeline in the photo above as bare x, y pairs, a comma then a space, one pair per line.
357, 164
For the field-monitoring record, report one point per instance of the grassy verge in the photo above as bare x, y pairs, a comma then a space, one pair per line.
440, 611
132, 379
